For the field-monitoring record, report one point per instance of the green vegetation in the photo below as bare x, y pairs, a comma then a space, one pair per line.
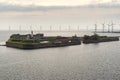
22, 41
96, 38
45, 42
93, 37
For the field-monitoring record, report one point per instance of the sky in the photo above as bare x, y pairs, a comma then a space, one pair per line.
45, 5
57, 12
55, 2
11, 5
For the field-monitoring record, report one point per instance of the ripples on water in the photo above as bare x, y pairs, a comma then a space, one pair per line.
81, 62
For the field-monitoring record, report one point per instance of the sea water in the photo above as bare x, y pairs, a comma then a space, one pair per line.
80, 62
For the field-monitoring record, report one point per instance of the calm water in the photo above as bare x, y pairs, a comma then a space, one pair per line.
81, 62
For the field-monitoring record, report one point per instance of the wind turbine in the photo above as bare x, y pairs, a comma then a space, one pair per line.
108, 28
9, 28
87, 28
40, 28
50, 28
78, 28
59, 28
95, 28
30, 28
69, 28
20, 28
112, 24
119, 25
103, 27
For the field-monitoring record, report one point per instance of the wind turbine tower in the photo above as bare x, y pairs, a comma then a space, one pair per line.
50, 28
112, 27
87, 28
108, 28
95, 28
103, 27
78, 28
40, 28
30, 28
9, 28
20, 28
59, 28
69, 28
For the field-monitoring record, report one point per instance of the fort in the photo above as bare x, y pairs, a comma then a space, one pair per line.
34, 41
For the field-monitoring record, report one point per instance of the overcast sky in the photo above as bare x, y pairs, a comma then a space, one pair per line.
56, 2
60, 12
33, 5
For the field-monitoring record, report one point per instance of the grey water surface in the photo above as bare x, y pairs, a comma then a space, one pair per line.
81, 62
